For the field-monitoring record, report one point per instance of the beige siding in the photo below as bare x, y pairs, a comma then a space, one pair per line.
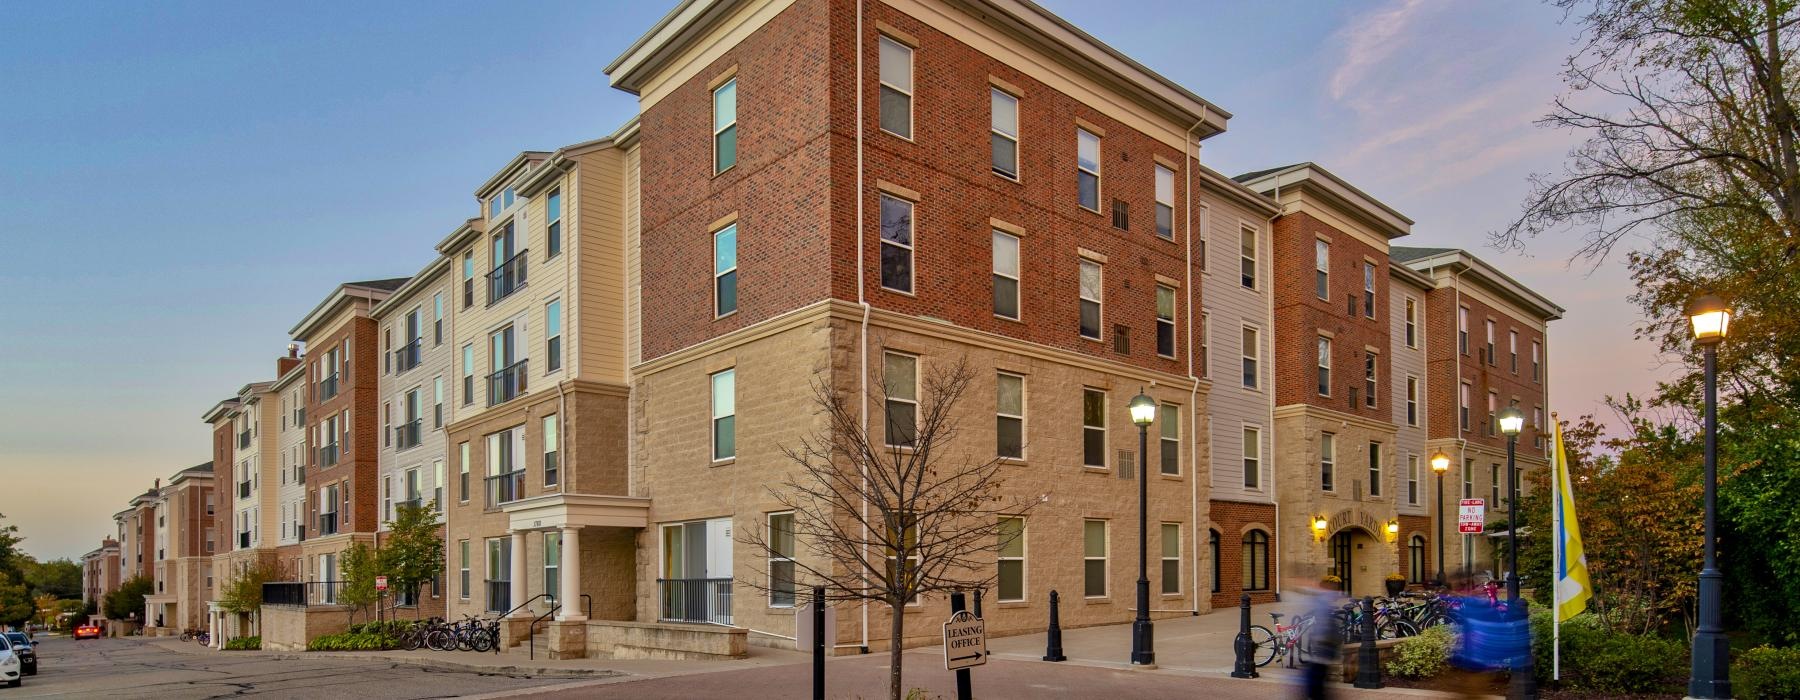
599, 317
1229, 307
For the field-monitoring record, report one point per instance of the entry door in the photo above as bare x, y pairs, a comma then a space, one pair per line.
1341, 549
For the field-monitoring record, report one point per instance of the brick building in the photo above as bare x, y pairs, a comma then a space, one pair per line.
185, 541
416, 372
100, 572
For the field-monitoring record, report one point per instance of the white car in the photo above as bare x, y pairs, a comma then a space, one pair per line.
10, 668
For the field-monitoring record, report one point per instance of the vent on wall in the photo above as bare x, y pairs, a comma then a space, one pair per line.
1122, 340
1127, 462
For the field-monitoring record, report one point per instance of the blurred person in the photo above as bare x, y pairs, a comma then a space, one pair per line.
1317, 598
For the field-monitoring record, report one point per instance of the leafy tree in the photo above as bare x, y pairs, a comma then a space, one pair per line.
121, 604
46, 606
60, 578
10, 555
16, 607
412, 554
359, 565
242, 593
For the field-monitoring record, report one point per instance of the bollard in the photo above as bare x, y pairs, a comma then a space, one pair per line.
1368, 658
1053, 651
977, 602
818, 628
963, 689
1244, 666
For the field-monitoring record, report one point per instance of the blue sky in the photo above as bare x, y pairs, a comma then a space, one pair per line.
185, 180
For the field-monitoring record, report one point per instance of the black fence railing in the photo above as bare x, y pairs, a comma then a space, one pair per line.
323, 592
506, 384
407, 435
696, 600
284, 593
499, 596
407, 357
328, 524
506, 278
328, 387
328, 455
505, 488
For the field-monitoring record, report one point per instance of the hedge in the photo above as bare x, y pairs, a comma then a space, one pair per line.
1766, 672
243, 644
354, 641
1597, 660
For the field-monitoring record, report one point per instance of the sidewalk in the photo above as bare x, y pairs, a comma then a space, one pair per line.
1194, 644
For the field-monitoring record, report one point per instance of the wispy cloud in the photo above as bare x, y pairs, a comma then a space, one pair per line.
1370, 41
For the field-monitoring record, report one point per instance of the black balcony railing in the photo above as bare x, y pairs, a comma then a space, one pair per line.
300, 531
328, 455
506, 278
328, 524
696, 599
499, 596
328, 387
323, 592
243, 540
506, 384
406, 435
243, 489
505, 488
243, 439
407, 357
291, 593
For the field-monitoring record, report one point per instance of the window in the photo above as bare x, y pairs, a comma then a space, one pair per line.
553, 231
1087, 170
896, 244
1252, 457
1328, 461
1374, 469
1537, 365
438, 487
468, 372
462, 558
724, 101
724, 415
1412, 400
508, 274
1006, 275
1494, 485
1324, 366
1412, 322
1247, 257
462, 492
1256, 560
468, 278
552, 566
1003, 133
1011, 578
1171, 559
1121, 214
1091, 288
900, 382
1165, 203
437, 401
1493, 413
1212, 544
1252, 350
725, 271
1415, 558
1488, 325
1468, 478
1369, 379
1093, 536
1368, 290
1165, 321
1537, 425
1322, 269
781, 560
499, 573
896, 87
1462, 329
1462, 406
507, 379
551, 445
1412, 479
1205, 345
553, 336
1512, 350
1009, 416
1171, 439
1093, 428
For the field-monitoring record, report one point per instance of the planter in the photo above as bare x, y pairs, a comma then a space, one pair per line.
1395, 587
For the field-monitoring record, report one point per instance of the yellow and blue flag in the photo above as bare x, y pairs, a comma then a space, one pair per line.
1572, 585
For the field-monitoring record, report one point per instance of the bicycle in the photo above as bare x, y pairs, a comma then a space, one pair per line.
203, 638
1287, 641
187, 635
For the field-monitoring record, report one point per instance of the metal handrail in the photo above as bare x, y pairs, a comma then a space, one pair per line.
531, 632
507, 383
407, 356
328, 387
506, 277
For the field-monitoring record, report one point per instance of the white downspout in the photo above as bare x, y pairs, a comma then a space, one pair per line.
862, 341
1274, 474
1191, 154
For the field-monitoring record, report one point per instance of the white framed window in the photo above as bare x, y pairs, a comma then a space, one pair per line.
1087, 170
1252, 352
462, 493
1324, 366
1488, 325
1462, 406
1171, 558
1412, 323
724, 103
552, 452
1494, 486
1093, 565
1412, 480
781, 560
468, 373
1493, 413
437, 401
1468, 478
553, 354
1009, 416
1322, 269
896, 244
1093, 428
1252, 457
1169, 439
1375, 469
1006, 275
1003, 133
1165, 320
1412, 400
1369, 364
1368, 290
1537, 363
900, 382
1165, 203
1328, 461
553, 229
1092, 288
1010, 579
724, 414
1247, 257
552, 566
468, 277
896, 87
725, 271
1512, 350
1205, 344
462, 561
1462, 329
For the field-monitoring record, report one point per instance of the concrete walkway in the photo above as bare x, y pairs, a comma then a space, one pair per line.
1196, 644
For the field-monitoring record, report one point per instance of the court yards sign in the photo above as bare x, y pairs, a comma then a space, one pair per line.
965, 641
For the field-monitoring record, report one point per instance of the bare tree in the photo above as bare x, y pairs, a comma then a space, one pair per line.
897, 514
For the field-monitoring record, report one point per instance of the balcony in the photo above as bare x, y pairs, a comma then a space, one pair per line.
407, 435
328, 387
506, 384
300, 531
506, 278
244, 440
414, 502
696, 600
499, 596
505, 488
244, 489
243, 540
328, 524
407, 357
328, 455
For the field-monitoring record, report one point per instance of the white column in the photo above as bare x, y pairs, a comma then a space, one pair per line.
569, 571
518, 571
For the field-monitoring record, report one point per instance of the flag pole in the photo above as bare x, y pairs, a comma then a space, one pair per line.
1556, 548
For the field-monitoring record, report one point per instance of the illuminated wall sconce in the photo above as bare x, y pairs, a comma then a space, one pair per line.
1318, 525
1393, 530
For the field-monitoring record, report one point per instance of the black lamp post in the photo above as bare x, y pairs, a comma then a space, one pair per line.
1440, 464
1710, 672
1143, 635
1512, 420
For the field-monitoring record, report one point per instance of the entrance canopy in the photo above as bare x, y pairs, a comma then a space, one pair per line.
564, 510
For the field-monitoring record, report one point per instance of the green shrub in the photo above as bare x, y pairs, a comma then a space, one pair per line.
353, 641
243, 644
1425, 655
1597, 660
1766, 672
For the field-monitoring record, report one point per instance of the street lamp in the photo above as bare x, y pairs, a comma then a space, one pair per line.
1440, 464
1143, 636
1512, 420
1710, 669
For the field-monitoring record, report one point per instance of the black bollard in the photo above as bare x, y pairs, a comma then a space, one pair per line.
1053, 650
1244, 666
977, 602
964, 691
818, 628
1368, 658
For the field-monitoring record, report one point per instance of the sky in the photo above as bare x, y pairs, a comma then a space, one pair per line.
184, 180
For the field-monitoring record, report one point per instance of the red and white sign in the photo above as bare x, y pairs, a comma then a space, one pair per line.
381, 583
1471, 515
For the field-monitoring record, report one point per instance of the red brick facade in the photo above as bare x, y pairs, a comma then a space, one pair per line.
359, 442
1231, 522
1411, 525
224, 460
1441, 326
1300, 316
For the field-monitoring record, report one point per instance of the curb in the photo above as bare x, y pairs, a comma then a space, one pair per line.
490, 669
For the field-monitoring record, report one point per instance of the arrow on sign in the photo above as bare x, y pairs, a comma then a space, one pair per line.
975, 655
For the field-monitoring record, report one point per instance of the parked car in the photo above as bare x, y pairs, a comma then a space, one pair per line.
10, 673
87, 631
26, 650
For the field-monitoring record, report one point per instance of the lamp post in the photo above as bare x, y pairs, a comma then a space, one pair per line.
1440, 464
1512, 420
1143, 636
1710, 670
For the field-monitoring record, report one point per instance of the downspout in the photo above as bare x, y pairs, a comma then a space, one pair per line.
1274, 474
1191, 154
862, 341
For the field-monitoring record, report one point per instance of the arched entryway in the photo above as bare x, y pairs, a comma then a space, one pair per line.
1352, 552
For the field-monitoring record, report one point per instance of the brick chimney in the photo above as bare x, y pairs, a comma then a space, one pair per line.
283, 365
